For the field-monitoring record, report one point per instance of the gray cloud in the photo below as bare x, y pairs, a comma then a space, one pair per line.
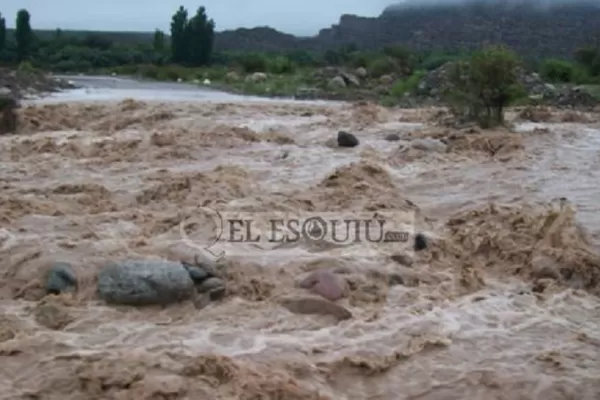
535, 3
304, 17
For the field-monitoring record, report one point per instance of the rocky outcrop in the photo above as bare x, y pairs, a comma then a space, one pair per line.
532, 31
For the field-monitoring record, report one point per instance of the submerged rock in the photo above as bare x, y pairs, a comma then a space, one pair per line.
402, 259
429, 144
325, 283
420, 242
215, 287
197, 274
52, 316
314, 305
61, 278
145, 282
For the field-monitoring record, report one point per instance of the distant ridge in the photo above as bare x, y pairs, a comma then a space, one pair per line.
542, 28
548, 28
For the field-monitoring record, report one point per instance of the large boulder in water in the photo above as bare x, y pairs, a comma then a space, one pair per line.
145, 282
61, 278
345, 139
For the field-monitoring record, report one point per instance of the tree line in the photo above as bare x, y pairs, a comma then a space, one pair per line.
191, 43
23, 35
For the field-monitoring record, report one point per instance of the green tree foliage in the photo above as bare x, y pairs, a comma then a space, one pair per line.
343, 55
23, 35
253, 62
192, 40
558, 71
158, 41
589, 58
382, 66
404, 59
2, 33
200, 33
179, 38
484, 85
95, 41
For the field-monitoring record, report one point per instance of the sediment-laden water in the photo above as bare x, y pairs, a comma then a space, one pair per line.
503, 304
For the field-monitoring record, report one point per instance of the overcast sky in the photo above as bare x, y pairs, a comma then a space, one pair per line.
300, 17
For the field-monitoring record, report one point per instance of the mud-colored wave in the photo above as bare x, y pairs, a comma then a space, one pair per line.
502, 303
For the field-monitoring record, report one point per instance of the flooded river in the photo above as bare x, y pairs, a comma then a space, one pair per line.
503, 303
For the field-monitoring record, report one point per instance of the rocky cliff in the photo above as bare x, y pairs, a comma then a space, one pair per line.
532, 30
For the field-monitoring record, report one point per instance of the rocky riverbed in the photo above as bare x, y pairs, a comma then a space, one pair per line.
109, 289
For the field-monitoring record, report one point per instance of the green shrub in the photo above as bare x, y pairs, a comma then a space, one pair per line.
408, 85
589, 58
558, 71
382, 66
214, 73
435, 62
302, 58
280, 65
484, 85
253, 62
25, 67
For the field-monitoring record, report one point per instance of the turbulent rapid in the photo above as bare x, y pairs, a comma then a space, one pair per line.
501, 304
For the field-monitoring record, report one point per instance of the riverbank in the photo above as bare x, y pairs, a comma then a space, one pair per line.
25, 81
422, 88
326, 83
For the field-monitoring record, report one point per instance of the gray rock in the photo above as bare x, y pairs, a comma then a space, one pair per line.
211, 284
428, 144
257, 77
210, 266
402, 259
217, 293
337, 83
345, 139
349, 79
420, 242
386, 79
315, 305
324, 283
392, 137
196, 273
214, 288
61, 278
145, 282
361, 72
232, 76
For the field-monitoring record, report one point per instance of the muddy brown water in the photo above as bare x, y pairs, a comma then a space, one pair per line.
91, 181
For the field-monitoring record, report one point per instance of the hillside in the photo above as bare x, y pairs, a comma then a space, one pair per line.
555, 30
